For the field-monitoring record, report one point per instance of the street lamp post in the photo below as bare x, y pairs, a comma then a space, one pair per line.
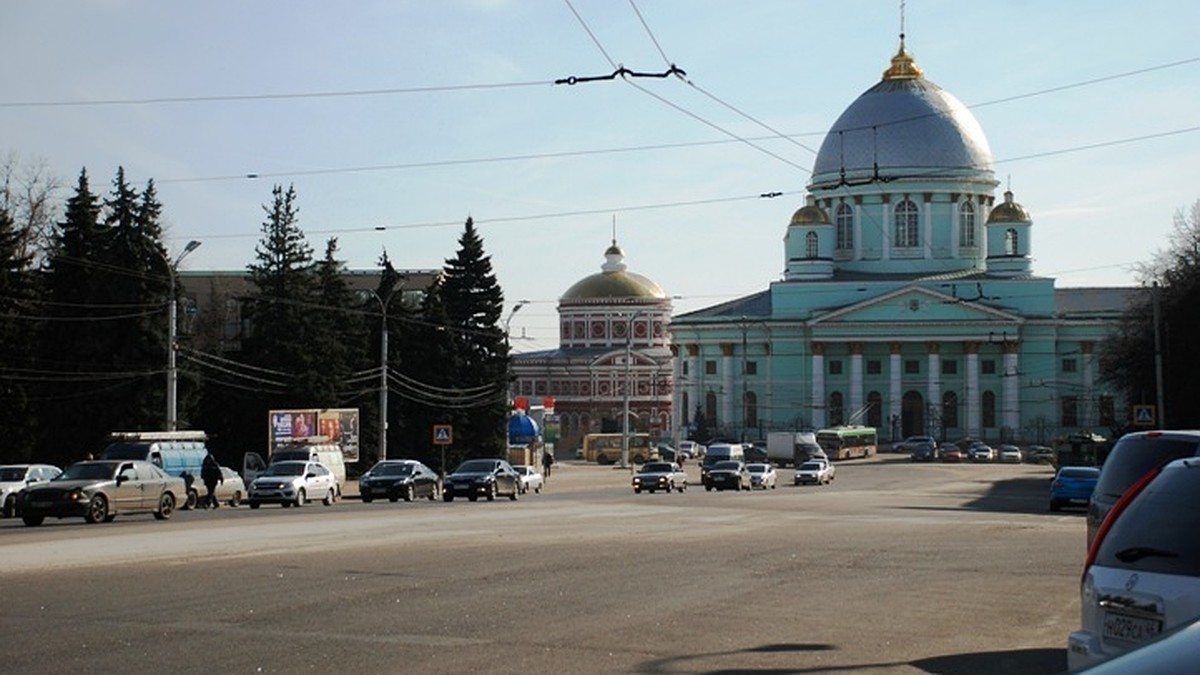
172, 347
383, 370
628, 372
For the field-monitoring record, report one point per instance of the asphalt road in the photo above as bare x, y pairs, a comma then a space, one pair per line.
894, 568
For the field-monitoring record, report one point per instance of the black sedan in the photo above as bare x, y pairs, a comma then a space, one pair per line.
727, 475
399, 479
99, 491
477, 478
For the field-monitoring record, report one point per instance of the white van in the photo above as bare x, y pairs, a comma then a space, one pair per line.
329, 454
720, 452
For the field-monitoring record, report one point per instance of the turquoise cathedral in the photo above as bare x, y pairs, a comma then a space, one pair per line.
908, 301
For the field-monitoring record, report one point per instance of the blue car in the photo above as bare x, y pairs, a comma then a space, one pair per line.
1073, 486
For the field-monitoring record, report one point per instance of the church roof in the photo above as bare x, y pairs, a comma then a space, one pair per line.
613, 282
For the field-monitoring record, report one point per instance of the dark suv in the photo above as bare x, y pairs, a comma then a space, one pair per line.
1130, 459
1142, 576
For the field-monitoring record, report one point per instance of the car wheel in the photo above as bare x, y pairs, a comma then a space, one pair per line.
366, 498
537, 490
110, 517
236, 500
166, 506
433, 493
516, 491
637, 491
708, 488
447, 496
193, 498
773, 485
683, 488
10, 506
97, 509
329, 498
472, 498
286, 505
1055, 506
301, 497
408, 493
254, 504
670, 487
33, 521
491, 493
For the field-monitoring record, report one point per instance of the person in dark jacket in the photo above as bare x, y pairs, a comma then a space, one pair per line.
210, 473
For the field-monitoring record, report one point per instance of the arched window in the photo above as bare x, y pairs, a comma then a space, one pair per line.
836, 412
1010, 241
749, 409
949, 410
810, 245
907, 228
844, 216
710, 408
874, 409
966, 224
989, 409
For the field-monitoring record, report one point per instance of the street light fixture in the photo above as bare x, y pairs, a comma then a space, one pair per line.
172, 347
628, 359
382, 449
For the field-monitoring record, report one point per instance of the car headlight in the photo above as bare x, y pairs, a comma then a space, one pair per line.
76, 495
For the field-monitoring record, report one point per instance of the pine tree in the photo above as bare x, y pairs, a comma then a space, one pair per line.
17, 309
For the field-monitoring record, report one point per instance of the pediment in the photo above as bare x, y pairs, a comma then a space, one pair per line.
917, 304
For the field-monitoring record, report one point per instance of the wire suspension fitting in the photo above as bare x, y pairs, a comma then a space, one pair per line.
624, 73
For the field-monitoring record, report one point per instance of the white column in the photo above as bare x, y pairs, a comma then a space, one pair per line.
927, 232
933, 390
856, 382
677, 399
858, 232
1012, 405
895, 391
889, 229
972, 394
726, 387
818, 387
693, 382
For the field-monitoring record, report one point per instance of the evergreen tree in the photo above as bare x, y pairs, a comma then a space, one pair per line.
17, 309
428, 381
473, 305
336, 335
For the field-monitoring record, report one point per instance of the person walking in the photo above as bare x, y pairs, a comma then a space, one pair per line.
547, 462
210, 473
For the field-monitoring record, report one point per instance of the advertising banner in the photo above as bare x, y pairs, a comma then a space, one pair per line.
338, 425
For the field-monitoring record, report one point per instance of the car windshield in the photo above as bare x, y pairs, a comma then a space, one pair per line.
656, 467
285, 469
726, 466
89, 471
477, 466
757, 468
393, 470
811, 466
12, 474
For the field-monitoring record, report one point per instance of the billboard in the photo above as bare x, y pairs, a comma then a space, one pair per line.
339, 425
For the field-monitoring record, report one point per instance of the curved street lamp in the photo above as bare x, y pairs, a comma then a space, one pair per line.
172, 346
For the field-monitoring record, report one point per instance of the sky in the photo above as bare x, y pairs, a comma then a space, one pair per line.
396, 120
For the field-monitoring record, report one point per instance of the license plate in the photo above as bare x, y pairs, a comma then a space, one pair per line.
1130, 628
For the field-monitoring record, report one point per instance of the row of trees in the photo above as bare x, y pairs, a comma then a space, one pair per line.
83, 321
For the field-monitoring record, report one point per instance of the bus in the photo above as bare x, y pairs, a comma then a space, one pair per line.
606, 448
848, 442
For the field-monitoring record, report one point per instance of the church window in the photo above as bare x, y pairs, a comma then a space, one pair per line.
966, 224
874, 367
618, 329
566, 330
907, 231
987, 366
811, 250
1070, 415
710, 367
684, 366
949, 367
1010, 241
752, 367
836, 414
989, 409
835, 367
950, 410
845, 227
1070, 366
710, 408
912, 367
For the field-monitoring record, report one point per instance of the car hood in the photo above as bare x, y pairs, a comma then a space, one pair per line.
67, 485
269, 480
653, 474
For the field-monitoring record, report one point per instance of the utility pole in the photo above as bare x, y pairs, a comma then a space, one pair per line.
628, 385
172, 347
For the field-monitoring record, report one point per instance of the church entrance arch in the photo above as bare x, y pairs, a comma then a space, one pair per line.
912, 414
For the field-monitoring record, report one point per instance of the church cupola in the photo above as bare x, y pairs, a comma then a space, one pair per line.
808, 245
1008, 239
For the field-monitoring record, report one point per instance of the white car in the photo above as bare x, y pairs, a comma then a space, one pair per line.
1142, 577
17, 477
691, 449
816, 472
293, 483
762, 475
981, 452
531, 478
1010, 454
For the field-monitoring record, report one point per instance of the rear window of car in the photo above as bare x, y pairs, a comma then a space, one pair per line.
1157, 532
1079, 472
1134, 455
727, 465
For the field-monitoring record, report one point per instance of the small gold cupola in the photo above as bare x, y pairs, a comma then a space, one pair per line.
903, 66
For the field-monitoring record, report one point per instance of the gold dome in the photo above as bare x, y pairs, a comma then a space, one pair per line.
810, 214
903, 67
1009, 212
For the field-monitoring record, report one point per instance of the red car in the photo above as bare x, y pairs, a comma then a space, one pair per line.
952, 455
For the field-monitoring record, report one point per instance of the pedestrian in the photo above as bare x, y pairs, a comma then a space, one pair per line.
547, 462
210, 473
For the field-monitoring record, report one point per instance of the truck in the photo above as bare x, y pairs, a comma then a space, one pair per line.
178, 453
792, 447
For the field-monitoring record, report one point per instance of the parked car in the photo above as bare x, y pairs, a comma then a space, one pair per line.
981, 452
762, 475
1171, 654
654, 476
1142, 575
815, 472
691, 449
231, 490
1132, 456
17, 477
293, 483
726, 475
912, 442
477, 478
924, 452
398, 479
952, 454
1039, 454
1073, 486
755, 453
1009, 454
99, 491
531, 478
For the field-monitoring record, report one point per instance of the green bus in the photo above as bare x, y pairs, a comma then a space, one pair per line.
848, 442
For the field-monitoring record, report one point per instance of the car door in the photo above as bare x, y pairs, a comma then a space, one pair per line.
127, 489
252, 465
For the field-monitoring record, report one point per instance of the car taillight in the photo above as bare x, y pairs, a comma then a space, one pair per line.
1115, 513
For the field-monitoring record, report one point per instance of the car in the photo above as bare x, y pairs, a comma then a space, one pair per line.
292, 483
100, 490
1133, 455
912, 442
231, 490
815, 472
17, 477
1142, 574
924, 452
477, 478
1009, 454
397, 479
726, 475
531, 478
981, 452
762, 475
1173, 653
691, 449
1039, 454
952, 454
1073, 486
755, 453
665, 476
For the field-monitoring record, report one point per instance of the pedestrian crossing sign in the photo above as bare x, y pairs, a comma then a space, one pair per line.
442, 434
1143, 415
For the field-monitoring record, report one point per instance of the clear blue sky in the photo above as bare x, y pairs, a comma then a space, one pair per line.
545, 169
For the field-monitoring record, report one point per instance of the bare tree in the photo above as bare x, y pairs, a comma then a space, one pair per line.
28, 192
